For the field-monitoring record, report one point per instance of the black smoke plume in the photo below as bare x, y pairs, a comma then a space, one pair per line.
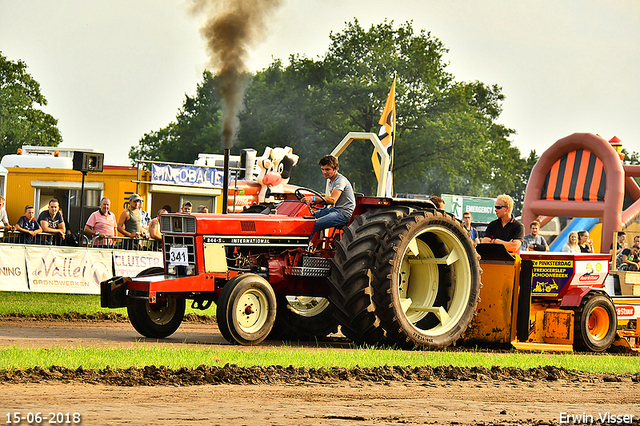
232, 27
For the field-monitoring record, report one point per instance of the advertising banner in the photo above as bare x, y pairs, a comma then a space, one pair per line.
550, 276
13, 270
628, 309
186, 175
480, 208
60, 270
590, 272
131, 263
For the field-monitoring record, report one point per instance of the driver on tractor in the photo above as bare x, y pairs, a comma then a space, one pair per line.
341, 197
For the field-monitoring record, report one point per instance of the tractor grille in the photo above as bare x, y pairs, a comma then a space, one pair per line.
312, 267
180, 241
179, 224
247, 226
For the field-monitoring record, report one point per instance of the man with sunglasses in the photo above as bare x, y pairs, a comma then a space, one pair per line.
505, 230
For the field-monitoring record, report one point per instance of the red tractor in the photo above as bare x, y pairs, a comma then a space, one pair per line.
402, 272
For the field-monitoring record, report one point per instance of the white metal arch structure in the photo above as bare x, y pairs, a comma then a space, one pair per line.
384, 162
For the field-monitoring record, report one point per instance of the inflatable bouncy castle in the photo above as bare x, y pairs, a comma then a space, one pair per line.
582, 175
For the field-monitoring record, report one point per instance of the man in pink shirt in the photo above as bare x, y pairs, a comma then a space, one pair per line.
101, 224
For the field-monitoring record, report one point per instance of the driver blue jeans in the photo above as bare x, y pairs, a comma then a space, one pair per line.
328, 218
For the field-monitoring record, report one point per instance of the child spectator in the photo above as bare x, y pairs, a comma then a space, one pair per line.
28, 226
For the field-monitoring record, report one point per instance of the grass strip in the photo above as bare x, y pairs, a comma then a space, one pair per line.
31, 303
183, 356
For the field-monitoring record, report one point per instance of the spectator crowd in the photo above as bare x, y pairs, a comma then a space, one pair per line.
102, 229
134, 223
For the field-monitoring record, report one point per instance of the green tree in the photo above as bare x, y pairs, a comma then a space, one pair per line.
196, 129
521, 183
447, 139
632, 158
21, 122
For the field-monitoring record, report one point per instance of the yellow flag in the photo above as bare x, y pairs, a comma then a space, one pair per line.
386, 135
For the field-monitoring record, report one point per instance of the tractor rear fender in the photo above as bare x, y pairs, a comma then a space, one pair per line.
573, 297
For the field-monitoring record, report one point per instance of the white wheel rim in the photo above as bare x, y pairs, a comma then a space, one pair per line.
252, 310
307, 306
163, 315
418, 281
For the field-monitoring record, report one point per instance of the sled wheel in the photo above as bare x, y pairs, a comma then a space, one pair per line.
352, 270
303, 318
156, 320
427, 281
595, 323
246, 309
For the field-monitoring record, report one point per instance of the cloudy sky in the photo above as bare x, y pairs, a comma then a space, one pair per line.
115, 70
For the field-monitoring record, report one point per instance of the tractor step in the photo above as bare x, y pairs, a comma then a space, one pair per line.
312, 267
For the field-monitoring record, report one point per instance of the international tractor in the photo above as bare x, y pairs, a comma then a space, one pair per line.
402, 273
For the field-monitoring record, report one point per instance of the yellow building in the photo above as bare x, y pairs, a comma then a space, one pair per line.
36, 186
38, 174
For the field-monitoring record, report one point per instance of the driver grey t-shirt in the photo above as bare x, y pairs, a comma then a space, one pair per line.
347, 201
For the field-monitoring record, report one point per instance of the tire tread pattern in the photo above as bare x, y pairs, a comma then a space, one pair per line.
351, 274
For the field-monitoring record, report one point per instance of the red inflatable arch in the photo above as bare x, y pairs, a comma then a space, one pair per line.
582, 175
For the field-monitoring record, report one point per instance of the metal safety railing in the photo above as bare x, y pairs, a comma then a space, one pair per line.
115, 243
126, 243
42, 238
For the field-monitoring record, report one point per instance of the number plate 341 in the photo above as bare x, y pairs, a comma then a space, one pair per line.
178, 256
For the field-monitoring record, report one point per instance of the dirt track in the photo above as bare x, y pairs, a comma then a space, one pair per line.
293, 396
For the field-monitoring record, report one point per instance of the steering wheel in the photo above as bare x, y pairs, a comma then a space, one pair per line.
298, 193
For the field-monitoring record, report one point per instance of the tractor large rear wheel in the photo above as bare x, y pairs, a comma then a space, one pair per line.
303, 318
427, 281
352, 271
595, 323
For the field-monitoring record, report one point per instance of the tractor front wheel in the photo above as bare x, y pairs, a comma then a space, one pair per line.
246, 309
595, 323
156, 320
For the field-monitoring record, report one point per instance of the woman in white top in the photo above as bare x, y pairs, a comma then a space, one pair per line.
572, 243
